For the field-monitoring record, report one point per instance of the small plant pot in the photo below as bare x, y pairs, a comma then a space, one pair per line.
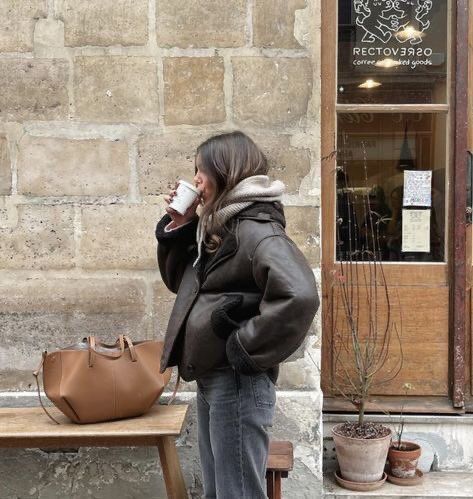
403, 461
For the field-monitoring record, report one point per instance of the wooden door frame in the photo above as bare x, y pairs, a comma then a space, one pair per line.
458, 261
469, 236
457, 241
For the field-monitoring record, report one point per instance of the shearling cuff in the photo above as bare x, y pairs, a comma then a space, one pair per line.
239, 358
186, 232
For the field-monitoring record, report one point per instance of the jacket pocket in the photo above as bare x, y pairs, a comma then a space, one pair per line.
263, 391
221, 319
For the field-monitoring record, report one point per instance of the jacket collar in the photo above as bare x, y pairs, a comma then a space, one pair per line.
271, 212
266, 212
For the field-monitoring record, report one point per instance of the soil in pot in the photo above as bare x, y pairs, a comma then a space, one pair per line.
403, 460
366, 430
361, 450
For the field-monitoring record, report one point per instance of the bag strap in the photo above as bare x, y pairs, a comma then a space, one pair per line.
36, 374
176, 386
131, 347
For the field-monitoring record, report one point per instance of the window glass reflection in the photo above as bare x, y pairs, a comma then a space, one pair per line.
391, 186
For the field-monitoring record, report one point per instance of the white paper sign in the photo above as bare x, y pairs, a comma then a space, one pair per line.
416, 230
417, 188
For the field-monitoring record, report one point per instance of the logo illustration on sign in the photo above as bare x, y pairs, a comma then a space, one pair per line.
384, 19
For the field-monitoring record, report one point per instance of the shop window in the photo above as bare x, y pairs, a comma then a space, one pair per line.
391, 186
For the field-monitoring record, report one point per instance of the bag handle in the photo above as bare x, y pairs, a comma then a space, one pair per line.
122, 339
36, 374
93, 349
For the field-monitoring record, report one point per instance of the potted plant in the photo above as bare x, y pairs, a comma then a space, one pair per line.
360, 316
403, 456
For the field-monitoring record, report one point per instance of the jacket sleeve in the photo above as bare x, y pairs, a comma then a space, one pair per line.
174, 250
287, 309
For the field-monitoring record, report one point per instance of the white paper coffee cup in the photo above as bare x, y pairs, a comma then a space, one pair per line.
185, 196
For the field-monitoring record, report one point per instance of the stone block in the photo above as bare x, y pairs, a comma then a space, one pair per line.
17, 23
108, 22
201, 23
43, 238
303, 228
119, 237
8, 213
165, 158
287, 163
17, 380
103, 473
48, 34
271, 91
116, 89
64, 167
40, 314
33, 89
193, 90
300, 374
163, 301
273, 23
5, 168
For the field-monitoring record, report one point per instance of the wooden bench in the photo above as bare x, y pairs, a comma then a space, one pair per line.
28, 427
280, 462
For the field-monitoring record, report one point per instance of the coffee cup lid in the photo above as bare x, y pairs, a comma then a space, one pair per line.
190, 186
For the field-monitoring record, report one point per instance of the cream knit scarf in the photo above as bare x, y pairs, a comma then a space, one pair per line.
258, 188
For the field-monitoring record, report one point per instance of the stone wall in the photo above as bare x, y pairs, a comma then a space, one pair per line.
101, 107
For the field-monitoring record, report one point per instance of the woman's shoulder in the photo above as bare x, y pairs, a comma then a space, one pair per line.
253, 231
264, 213
256, 229
263, 218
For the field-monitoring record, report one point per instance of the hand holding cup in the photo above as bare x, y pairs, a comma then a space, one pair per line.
182, 202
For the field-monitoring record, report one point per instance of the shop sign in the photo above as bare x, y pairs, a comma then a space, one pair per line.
394, 31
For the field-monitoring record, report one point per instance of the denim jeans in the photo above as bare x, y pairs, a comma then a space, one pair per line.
233, 414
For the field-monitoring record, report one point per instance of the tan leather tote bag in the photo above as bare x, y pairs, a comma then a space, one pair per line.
93, 381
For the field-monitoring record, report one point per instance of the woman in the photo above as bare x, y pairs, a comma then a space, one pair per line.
245, 301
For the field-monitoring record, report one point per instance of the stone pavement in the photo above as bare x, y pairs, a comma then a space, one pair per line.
436, 484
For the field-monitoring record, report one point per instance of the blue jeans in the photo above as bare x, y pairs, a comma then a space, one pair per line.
233, 414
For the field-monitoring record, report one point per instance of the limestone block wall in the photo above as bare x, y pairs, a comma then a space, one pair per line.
102, 105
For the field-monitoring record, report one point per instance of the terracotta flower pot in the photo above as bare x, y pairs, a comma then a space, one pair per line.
361, 460
403, 462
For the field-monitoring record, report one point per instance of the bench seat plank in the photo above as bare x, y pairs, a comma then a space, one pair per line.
281, 456
29, 427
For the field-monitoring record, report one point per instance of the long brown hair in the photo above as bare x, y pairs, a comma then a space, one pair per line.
227, 159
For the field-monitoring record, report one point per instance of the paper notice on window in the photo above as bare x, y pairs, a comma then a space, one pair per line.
417, 188
416, 230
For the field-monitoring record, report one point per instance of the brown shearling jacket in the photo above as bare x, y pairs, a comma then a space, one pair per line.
249, 305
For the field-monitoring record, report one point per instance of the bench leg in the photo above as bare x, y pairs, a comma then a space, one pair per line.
175, 486
270, 484
277, 485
